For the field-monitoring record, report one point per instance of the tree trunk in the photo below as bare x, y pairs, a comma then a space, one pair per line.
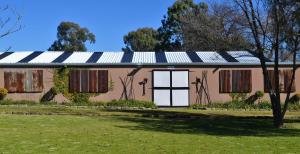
277, 114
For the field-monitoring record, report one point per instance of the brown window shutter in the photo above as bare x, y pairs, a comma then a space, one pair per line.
33, 81
241, 81
102, 81
84, 81
287, 77
272, 80
20, 82
28, 81
93, 81
224, 81
74, 81
10, 81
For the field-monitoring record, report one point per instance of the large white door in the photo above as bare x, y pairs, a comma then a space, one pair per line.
171, 88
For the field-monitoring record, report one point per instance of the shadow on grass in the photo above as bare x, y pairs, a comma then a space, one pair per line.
210, 124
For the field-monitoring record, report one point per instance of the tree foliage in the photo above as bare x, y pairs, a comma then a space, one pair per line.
170, 33
143, 39
219, 28
191, 26
71, 37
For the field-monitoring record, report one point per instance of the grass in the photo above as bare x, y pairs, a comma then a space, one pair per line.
57, 129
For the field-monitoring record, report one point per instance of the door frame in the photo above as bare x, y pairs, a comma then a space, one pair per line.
171, 88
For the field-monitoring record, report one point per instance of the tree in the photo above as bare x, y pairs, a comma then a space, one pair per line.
170, 33
219, 28
143, 39
9, 22
71, 37
191, 26
274, 27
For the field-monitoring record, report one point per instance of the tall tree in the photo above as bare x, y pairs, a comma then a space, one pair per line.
170, 33
9, 21
219, 28
191, 26
143, 39
71, 37
274, 28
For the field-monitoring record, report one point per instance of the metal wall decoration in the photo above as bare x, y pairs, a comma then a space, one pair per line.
143, 83
202, 90
127, 85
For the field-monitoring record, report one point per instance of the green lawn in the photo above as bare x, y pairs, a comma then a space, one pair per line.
41, 129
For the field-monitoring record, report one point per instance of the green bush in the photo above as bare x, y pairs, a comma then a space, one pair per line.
238, 96
294, 107
295, 99
265, 105
199, 106
259, 94
130, 103
80, 99
3, 93
17, 102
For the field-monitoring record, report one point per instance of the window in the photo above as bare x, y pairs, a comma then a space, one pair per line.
24, 81
88, 81
236, 81
285, 77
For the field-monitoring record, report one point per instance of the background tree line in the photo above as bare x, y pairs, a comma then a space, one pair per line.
193, 27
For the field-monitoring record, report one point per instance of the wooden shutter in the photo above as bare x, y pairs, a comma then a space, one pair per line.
28, 81
10, 81
20, 82
287, 80
93, 81
241, 81
102, 81
84, 81
224, 81
74, 81
272, 79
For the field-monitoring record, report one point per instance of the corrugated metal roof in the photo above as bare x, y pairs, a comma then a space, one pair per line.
177, 57
244, 56
211, 57
129, 58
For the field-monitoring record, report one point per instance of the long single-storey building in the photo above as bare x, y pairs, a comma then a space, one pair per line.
167, 78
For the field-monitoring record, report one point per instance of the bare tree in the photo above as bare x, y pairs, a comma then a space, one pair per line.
274, 28
9, 21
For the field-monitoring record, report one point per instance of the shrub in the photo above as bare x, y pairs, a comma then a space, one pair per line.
238, 96
266, 105
131, 103
294, 107
3, 93
17, 102
80, 98
295, 98
259, 94
199, 106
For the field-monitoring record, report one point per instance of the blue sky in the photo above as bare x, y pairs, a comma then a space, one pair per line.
109, 20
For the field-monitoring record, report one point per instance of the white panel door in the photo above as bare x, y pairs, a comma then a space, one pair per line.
161, 78
180, 97
180, 79
162, 97
171, 88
